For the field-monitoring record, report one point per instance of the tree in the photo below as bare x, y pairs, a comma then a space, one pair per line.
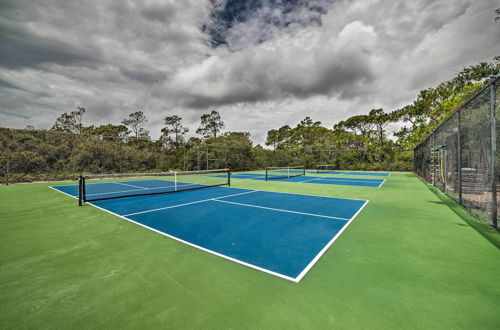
308, 132
108, 130
279, 138
381, 120
70, 122
135, 122
211, 124
272, 138
174, 132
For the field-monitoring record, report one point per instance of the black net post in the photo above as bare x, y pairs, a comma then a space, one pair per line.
198, 159
81, 185
266, 174
493, 154
229, 178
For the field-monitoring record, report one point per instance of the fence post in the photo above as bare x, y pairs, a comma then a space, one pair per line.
198, 156
493, 153
7, 167
433, 144
207, 158
459, 153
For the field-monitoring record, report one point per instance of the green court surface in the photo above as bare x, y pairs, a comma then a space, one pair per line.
411, 259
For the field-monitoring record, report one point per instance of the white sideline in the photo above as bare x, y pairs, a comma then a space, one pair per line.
310, 180
327, 246
296, 279
347, 180
184, 204
130, 185
281, 210
202, 248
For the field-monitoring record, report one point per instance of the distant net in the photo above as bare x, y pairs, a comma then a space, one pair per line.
276, 173
325, 168
99, 187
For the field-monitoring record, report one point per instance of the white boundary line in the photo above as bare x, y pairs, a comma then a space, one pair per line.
62, 192
345, 182
327, 246
310, 180
280, 210
184, 204
289, 193
130, 185
269, 191
200, 247
364, 173
296, 279
320, 178
341, 178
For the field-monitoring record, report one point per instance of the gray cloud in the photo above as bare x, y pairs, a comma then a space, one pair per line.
115, 57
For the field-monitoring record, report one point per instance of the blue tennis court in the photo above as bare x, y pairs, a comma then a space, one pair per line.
356, 182
353, 173
279, 233
340, 172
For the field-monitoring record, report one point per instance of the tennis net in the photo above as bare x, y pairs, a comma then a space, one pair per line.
99, 187
274, 173
325, 168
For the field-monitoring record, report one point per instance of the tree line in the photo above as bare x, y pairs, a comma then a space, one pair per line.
360, 142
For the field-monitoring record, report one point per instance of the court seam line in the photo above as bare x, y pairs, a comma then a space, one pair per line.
282, 210
327, 246
185, 204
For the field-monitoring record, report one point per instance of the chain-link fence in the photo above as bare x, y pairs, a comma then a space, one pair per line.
460, 157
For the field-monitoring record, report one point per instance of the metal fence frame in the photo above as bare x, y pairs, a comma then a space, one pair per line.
427, 158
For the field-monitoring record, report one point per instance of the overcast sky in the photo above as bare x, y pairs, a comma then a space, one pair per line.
260, 63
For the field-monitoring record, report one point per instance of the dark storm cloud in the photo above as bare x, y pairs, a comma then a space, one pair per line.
103, 55
20, 48
7, 85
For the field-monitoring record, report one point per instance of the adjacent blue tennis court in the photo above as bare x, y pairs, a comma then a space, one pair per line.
354, 173
279, 233
357, 182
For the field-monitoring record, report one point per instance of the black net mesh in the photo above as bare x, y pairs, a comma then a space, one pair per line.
113, 186
276, 173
